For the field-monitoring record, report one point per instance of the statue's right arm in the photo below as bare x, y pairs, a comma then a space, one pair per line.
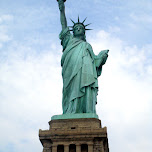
62, 14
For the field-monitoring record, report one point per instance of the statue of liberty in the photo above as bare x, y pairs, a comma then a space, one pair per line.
80, 67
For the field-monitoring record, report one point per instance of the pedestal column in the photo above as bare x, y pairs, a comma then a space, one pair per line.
81, 134
47, 146
66, 148
102, 147
46, 149
54, 148
90, 147
78, 148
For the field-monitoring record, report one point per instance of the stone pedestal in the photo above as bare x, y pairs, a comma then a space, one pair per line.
75, 135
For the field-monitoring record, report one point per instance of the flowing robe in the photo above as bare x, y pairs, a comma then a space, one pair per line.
80, 70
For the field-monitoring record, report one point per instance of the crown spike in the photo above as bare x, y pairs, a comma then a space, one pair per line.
78, 19
87, 24
84, 20
72, 21
88, 29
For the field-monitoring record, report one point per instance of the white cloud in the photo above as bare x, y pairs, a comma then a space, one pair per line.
31, 83
31, 89
5, 17
124, 100
114, 29
4, 37
142, 18
31, 92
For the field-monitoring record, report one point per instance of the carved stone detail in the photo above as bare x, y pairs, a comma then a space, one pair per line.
86, 131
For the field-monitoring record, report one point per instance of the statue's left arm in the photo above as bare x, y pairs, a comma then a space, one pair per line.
101, 58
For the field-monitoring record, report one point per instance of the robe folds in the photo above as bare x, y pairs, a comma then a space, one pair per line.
80, 70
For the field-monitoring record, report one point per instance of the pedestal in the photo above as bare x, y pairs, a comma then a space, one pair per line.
74, 135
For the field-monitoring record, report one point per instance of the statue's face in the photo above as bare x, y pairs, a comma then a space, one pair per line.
79, 30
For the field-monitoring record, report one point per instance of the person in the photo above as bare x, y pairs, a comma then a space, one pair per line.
80, 67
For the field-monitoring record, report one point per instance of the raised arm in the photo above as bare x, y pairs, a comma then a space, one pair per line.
62, 14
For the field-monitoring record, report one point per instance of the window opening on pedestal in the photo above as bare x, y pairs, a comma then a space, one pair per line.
60, 148
72, 148
84, 148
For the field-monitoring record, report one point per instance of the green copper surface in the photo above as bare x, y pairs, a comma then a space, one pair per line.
75, 116
59, 0
80, 69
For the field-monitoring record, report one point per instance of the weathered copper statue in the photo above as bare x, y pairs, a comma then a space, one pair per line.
80, 67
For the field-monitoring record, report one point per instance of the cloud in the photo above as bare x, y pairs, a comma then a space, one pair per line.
31, 92
142, 18
31, 89
124, 100
130, 58
6, 17
31, 82
4, 37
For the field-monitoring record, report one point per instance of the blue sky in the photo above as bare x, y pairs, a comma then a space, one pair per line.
30, 71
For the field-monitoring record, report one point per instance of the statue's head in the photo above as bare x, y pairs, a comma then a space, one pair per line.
79, 28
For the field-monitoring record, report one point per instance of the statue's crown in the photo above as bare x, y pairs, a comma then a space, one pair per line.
81, 23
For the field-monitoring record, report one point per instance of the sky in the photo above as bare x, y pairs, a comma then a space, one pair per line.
30, 70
